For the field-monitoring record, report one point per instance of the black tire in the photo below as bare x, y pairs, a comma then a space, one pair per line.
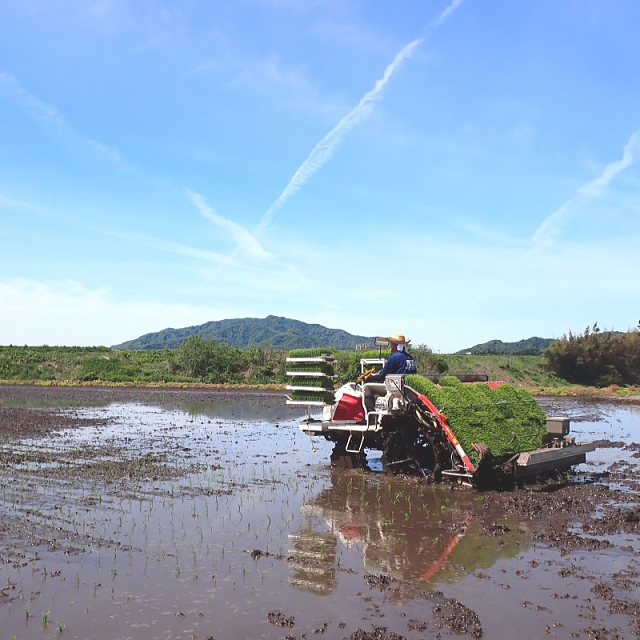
343, 459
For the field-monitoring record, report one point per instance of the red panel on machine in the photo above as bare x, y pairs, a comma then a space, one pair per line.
349, 408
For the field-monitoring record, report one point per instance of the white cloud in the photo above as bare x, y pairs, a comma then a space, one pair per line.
451, 294
69, 313
278, 85
466, 292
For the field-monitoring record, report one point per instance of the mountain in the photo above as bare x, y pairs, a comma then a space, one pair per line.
280, 333
531, 346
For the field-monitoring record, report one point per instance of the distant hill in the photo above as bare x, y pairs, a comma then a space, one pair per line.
531, 346
280, 333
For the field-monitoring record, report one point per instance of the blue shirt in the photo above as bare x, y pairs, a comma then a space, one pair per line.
399, 363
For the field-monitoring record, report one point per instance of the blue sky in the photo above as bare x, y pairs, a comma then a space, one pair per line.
456, 172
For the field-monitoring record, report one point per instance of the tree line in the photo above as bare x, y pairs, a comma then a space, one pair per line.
597, 358
196, 359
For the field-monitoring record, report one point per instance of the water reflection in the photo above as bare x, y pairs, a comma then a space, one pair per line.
257, 407
315, 564
44, 403
399, 528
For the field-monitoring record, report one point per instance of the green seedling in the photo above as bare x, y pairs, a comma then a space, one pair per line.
506, 419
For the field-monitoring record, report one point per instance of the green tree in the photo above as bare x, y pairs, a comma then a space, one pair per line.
194, 356
596, 357
209, 360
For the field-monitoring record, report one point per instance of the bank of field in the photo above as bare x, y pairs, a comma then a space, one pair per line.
198, 361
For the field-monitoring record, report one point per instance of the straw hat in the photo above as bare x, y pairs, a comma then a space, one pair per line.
398, 338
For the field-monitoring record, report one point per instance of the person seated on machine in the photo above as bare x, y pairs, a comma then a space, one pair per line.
400, 362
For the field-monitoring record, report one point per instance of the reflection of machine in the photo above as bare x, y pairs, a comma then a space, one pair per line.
400, 530
314, 561
410, 431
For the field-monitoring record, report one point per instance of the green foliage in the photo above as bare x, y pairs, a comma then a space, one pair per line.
40, 363
263, 364
194, 356
371, 354
440, 364
597, 358
274, 331
531, 347
256, 364
530, 370
222, 364
450, 381
106, 368
348, 362
209, 361
506, 419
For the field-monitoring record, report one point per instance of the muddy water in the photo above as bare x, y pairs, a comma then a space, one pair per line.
213, 516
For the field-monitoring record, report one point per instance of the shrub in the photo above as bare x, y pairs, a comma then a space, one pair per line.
209, 361
109, 369
348, 362
263, 364
596, 358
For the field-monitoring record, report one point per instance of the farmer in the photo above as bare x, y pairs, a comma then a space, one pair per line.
400, 362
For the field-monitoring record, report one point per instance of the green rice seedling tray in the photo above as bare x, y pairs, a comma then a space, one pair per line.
323, 383
309, 353
506, 419
326, 397
317, 360
319, 367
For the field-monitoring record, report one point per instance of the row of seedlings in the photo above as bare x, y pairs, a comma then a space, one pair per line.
311, 375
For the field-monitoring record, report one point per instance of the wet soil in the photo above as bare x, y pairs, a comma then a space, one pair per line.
18, 422
155, 513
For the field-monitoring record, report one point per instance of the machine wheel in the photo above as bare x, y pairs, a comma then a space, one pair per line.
343, 459
409, 447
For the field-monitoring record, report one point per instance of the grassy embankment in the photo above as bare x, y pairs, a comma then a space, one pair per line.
255, 367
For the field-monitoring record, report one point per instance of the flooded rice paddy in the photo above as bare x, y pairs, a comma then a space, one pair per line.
190, 514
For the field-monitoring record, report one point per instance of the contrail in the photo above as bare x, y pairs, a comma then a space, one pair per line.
49, 117
447, 12
244, 239
39, 110
552, 225
325, 148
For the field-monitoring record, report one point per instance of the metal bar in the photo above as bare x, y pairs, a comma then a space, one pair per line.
346, 448
388, 464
